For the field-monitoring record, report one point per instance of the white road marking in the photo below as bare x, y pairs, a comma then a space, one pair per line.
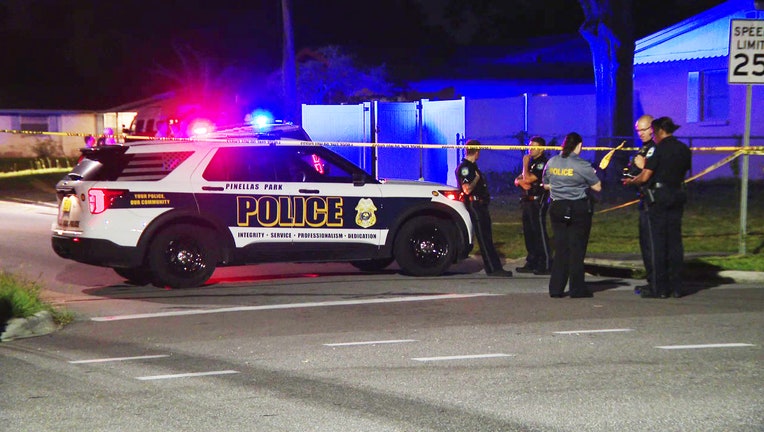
292, 306
462, 357
186, 375
593, 331
727, 345
395, 341
115, 359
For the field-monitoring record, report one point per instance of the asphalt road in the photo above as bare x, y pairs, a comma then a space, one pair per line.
299, 347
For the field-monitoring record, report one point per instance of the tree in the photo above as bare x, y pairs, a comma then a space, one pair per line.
330, 76
198, 80
609, 31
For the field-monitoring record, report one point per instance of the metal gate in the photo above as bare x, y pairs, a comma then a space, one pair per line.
421, 122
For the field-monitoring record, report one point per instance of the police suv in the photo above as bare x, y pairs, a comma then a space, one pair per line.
169, 212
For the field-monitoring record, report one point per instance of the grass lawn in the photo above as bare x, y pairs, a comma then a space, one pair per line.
710, 228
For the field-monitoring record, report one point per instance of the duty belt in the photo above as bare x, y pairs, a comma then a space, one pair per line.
532, 197
660, 185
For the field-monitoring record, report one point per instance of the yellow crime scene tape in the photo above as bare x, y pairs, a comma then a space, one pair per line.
756, 150
751, 150
713, 167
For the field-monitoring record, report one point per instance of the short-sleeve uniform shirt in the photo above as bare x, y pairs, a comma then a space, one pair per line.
670, 160
536, 167
569, 177
466, 173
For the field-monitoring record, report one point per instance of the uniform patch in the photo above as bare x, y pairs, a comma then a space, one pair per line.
365, 216
465, 172
650, 152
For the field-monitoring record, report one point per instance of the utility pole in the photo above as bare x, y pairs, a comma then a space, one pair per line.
289, 66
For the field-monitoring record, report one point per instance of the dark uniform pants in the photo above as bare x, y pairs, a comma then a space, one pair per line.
665, 217
481, 222
571, 237
535, 233
644, 241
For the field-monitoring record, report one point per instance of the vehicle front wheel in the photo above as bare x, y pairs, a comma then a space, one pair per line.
425, 246
135, 275
182, 256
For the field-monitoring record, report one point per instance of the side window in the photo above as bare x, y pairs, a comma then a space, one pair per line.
139, 126
34, 123
112, 164
244, 164
708, 96
320, 169
293, 169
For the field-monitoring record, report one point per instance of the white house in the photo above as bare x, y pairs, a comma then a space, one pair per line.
681, 72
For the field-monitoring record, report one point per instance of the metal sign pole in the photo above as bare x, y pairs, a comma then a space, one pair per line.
746, 66
744, 173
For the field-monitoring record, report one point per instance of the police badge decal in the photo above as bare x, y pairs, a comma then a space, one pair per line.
365, 216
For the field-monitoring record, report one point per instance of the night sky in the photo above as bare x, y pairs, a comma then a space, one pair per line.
95, 54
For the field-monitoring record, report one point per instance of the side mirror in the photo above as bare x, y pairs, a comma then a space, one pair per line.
359, 178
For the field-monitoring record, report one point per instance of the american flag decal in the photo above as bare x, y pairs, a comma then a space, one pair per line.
152, 166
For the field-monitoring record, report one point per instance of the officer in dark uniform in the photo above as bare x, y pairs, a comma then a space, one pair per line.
665, 169
644, 129
534, 204
477, 198
568, 178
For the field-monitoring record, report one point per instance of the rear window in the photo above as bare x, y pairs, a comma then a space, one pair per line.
112, 164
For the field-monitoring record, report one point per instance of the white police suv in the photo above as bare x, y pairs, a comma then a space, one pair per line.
169, 212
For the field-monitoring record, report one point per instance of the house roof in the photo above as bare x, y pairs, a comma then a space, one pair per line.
135, 105
705, 35
41, 112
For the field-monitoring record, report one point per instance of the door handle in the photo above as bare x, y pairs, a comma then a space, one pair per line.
308, 191
212, 188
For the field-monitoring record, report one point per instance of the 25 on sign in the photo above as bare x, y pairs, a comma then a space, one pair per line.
747, 51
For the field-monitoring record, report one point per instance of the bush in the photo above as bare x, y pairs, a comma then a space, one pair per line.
23, 299
14, 164
46, 148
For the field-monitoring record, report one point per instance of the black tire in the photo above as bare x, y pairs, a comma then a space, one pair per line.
373, 265
182, 256
425, 246
135, 275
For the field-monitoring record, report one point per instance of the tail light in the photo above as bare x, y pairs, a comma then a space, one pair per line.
101, 200
452, 195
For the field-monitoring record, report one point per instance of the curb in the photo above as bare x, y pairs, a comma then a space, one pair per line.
624, 268
743, 277
38, 324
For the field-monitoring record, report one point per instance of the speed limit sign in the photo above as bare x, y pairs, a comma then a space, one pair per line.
746, 58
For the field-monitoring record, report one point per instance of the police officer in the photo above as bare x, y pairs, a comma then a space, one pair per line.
534, 204
475, 189
568, 178
644, 129
666, 166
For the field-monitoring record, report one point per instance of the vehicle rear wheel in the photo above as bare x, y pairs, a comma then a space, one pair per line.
425, 246
135, 275
372, 265
182, 256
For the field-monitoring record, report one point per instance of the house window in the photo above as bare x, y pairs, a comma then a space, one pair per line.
34, 123
708, 96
